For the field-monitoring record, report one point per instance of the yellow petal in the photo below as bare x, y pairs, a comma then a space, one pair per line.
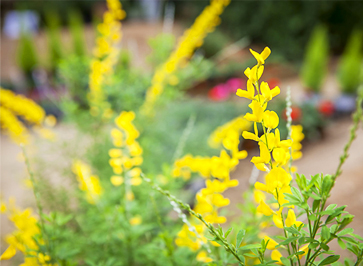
271, 245
8, 253
276, 255
264, 209
291, 218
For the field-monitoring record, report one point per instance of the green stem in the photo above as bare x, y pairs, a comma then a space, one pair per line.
186, 207
37, 200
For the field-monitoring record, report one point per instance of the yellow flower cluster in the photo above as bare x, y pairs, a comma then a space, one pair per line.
126, 157
216, 170
229, 136
87, 182
274, 152
105, 57
191, 40
12, 106
23, 239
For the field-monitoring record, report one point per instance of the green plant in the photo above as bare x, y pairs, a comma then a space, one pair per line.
27, 57
54, 39
350, 66
314, 67
76, 28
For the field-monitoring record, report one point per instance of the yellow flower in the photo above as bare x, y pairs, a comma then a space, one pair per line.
271, 245
254, 74
117, 180
291, 219
268, 93
277, 219
8, 253
264, 209
257, 112
136, 220
203, 257
249, 93
276, 255
277, 178
305, 249
261, 57
270, 119
258, 196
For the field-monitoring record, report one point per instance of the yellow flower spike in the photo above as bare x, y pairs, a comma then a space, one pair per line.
270, 119
276, 255
264, 157
257, 112
249, 93
8, 253
271, 245
117, 180
264, 209
135, 220
265, 91
258, 196
203, 257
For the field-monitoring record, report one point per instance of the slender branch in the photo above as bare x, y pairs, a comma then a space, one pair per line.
186, 207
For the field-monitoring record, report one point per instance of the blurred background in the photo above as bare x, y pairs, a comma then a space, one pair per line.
317, 48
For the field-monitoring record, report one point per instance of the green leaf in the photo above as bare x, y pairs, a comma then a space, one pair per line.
288, 241
350, 240
240, 235
292, 230
285, 261
313, 245
325, 233
316, 204
228, 232
346, 231
249, 247
357, 236
329, 260
341, 244
331, 207
324, 246
296, 193
312, 217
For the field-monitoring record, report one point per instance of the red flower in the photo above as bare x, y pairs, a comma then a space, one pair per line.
326, 108
295, 113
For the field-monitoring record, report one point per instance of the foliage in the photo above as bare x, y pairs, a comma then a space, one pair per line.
316, 58
27, 57
110, 208
55, 51
76, 28
350, 67
284, 25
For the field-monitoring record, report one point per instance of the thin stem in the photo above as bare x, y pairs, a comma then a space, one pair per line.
186, 207
37, 200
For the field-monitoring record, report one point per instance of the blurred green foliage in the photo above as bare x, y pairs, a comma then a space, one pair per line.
162, 46
75, 23
284, 25
27, 57
55, 49
350, 66
316, 59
